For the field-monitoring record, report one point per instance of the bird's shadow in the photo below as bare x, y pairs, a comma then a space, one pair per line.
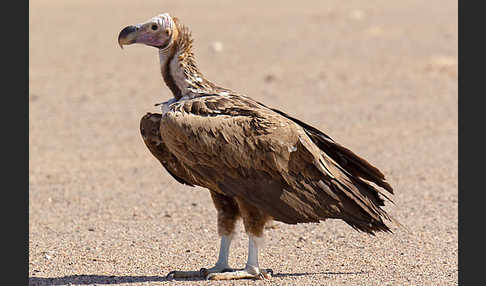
93, 279
112, 279
283, 275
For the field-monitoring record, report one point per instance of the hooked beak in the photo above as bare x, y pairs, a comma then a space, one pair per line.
128, 36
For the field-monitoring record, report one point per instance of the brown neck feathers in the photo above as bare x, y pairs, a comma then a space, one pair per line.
187, 79
167, 74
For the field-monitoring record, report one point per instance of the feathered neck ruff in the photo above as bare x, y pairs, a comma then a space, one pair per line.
179, 68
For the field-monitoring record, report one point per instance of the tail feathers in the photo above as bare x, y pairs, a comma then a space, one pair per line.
360, 203
355, 164
366, 215
348, 160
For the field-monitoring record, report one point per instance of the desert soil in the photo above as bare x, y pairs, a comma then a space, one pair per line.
380, 77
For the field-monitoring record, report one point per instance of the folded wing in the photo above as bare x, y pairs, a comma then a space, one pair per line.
238, 147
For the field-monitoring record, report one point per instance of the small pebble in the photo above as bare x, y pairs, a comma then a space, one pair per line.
269, 78
357, 14
217, 46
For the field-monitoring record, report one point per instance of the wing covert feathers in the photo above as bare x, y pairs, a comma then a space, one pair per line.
351, 162
237, 147
150, 130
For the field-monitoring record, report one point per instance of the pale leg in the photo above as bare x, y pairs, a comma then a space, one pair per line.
221, 265
252, 269
254, 243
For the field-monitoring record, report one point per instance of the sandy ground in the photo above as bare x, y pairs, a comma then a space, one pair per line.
378, 76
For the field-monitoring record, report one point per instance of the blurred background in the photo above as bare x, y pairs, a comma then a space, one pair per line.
380, 77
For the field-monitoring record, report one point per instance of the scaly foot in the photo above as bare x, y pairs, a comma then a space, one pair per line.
250, 272
203, 273
183, 274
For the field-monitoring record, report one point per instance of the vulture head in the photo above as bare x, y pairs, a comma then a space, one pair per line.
159, 32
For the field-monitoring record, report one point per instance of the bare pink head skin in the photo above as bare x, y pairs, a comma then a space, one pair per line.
156, 32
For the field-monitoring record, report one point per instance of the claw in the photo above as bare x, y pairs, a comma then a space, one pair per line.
170, 275
204, 272
266, 274
211, 276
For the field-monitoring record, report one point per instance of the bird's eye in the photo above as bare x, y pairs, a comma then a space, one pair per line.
154, 27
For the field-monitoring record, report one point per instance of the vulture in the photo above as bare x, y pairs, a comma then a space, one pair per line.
258, 163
